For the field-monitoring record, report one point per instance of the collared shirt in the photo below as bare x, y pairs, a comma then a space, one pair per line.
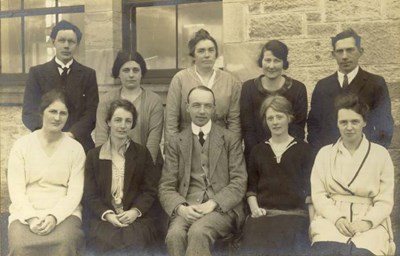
350, 76
61, 65
210, 82
205, 129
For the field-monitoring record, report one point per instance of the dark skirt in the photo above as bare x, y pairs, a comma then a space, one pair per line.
136, 239
66, 239
275, 235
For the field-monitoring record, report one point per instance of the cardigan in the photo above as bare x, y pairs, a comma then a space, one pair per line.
253, 95
149, 125
226, 90
283, 185
39, 184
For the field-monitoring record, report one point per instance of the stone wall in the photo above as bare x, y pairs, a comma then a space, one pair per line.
306, 27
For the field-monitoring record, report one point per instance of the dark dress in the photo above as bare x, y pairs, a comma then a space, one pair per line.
252, 96
140, 189
282, 188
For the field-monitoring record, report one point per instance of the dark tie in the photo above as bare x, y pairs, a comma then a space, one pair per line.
201, 138
345, 81
64, 73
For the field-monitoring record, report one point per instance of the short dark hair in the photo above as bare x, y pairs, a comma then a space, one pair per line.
346, 34
51, 96
65, 25
124, 104
278, 49
277, 103
351, 101
202, 88
200, 35
124, 57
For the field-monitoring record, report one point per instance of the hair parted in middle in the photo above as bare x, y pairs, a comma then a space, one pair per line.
126, 105
123, 57
51, 96
278, 49
277, 103
200, 35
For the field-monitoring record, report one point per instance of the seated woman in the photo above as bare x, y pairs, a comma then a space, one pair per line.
273, 59
130, 69
45, 182
352, 185
278, 184
120, 187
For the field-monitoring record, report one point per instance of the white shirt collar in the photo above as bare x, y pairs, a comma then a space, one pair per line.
68, 65
205, 128
350, 76
210, 82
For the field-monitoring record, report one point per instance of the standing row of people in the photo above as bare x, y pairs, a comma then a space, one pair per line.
204, 177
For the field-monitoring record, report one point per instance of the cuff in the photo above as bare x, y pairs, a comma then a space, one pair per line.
175, 212
104, 214
140, 213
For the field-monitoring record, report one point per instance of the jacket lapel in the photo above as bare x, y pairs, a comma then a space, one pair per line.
130, 167
74, 76
53, 73
215, 148
186, 148
106, 177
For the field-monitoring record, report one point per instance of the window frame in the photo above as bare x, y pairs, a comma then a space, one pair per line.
153, 76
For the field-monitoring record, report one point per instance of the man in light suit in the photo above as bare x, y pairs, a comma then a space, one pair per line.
203, 181
77, 81
370, 88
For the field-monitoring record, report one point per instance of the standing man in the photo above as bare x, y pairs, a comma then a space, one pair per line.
370, 88
203, 181
78, 82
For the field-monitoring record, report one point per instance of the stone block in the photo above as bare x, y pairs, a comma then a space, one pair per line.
391, 72
233, 22
350, 10
99, 30
102, 60
308, 52
380, 40
276, 26
321, 30
290, 5
391, 9
102, 5
313, 17
254, 7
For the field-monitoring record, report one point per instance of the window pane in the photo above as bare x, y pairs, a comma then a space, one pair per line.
155, 30
70, 2
38, 46
191, 18
29, 4
7, 5
78, 19
11, 59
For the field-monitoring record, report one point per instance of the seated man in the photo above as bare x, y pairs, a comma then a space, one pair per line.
203, 181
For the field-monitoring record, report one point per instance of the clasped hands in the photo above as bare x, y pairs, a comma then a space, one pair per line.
350, 229
191, 213
42, 226
122, 219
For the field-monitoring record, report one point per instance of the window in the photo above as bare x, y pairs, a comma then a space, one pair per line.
25, 27
161, 30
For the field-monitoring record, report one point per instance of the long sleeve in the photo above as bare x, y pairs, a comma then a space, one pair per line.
233, 116
101, 130
32, 97
314, 118
156, 122
67, 204
173, 109
248, 117
300, 104
253, 174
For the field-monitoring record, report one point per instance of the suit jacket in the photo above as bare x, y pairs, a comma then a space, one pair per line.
371, 89
81, 92
228, 176
140, 181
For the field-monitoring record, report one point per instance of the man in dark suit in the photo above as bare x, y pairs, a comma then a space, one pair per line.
203, 181
370, 88
77, 81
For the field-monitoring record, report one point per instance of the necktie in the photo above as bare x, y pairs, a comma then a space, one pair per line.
201, 138
64, 73
345, 81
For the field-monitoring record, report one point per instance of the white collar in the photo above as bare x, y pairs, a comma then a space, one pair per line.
62, 65
210, 82
205, 128
106, 149
350, 76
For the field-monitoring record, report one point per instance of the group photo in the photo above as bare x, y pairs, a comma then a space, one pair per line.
195, 128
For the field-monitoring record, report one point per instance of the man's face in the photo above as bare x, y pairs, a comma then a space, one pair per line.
66, 44
347, 54
201, 107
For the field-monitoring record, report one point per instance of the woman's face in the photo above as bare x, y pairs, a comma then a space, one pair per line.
277, 122
272, 66
55, 116
205, 54
350, 125
120, 123
130, 75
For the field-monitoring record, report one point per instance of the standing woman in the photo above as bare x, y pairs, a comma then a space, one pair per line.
45, 182
278, 184
273, 60
204, 50
352, 185
130, 69
120, 188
